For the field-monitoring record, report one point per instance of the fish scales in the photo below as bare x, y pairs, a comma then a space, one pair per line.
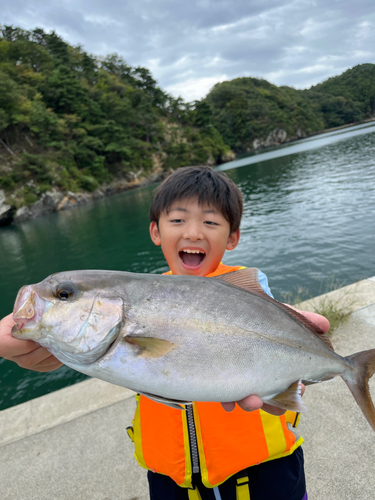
213, 343
183, 338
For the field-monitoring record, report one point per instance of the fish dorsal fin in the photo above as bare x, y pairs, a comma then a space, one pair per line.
247, 279
150, 347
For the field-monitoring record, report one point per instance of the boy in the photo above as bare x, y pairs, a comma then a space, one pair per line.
204, 452
195, 217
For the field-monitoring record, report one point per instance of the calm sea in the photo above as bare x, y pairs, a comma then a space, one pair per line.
309, 221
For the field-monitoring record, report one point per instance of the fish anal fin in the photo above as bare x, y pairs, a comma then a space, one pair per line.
290, 399
247, 279
172, 403
151, 347
327, 378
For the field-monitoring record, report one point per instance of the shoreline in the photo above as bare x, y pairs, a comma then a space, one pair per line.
56, 201
354, 124
296, 139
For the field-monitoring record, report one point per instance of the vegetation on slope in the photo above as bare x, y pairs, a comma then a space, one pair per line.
356, 85
74, 121
248, 109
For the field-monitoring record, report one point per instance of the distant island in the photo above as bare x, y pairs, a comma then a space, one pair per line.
74, 126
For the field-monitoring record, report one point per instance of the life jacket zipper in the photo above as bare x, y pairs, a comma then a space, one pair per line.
192, 439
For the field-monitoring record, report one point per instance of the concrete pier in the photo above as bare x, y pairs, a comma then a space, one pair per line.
72, 444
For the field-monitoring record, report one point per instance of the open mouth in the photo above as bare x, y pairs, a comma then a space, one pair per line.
191, 258
28, 310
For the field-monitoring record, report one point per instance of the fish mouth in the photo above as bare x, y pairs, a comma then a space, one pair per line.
192, 258
28, 311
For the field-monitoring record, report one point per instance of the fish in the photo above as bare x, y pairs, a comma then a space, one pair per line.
181, 339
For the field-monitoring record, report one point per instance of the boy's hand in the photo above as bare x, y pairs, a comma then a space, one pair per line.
25, 353
253, 402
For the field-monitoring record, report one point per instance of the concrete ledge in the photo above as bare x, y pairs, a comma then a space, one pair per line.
57, 408
353, 297
87, 458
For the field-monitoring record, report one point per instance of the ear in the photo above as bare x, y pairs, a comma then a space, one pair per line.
233, 240
154, 233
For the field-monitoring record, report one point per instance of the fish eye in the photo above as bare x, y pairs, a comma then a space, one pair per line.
63, 294
65, 291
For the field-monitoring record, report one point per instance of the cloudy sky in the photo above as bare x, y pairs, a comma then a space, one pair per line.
189, 45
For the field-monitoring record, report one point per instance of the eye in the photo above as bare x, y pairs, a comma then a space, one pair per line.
63, 294
66, 291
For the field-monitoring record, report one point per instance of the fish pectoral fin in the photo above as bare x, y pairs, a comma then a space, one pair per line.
172, 403
151, 347
291, 399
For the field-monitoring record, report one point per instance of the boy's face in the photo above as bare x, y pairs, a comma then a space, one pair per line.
193, 238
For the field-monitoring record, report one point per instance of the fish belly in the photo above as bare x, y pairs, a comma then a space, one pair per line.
214, 371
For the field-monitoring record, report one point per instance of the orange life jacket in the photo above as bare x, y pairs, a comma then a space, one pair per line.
226, 442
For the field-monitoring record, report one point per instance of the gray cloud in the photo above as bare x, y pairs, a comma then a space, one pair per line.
189, 46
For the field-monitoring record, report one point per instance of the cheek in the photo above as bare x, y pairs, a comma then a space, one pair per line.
84, 323
169, 255
169, 243
219, 243
67, 317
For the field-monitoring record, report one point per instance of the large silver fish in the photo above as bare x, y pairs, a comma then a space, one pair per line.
182, 339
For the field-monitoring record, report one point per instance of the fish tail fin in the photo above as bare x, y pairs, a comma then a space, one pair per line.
357, 381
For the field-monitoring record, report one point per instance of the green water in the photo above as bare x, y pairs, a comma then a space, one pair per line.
309, 217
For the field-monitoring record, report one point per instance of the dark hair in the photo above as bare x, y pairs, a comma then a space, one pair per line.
204, 185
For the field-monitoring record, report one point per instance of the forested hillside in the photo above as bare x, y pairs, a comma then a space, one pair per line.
356, 85
251, 113
248, 109
73, 121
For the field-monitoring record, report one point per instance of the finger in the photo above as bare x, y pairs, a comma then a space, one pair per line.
49, 362
7, 322
47, 368
12, 347
318, 320
34, 359
315, 318
228, 406
250, 403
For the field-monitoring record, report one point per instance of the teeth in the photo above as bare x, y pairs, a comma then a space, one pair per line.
192, 251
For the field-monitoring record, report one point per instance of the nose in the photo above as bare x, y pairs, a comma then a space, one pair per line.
193, 232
